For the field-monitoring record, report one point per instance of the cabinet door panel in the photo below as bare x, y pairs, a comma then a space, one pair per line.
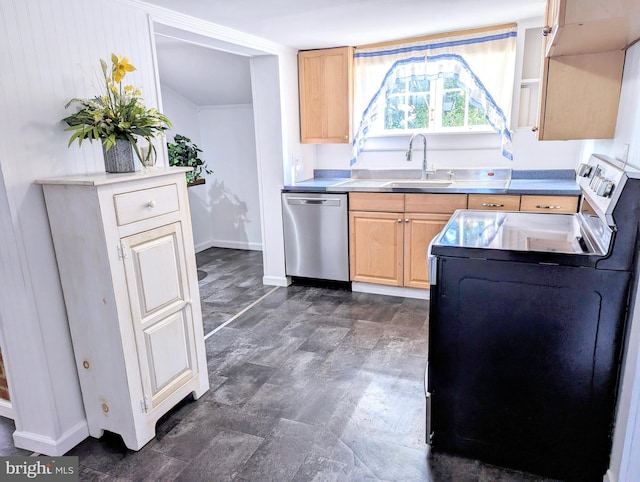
170, 335
376, 247
157, 272
326, 90
337, 101
155, 268
580, 96
311, 91
419, 230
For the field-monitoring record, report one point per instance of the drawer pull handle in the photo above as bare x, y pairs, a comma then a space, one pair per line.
151, 204
492, 205
539, 206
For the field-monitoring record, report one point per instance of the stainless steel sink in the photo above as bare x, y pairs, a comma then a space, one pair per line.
418, 184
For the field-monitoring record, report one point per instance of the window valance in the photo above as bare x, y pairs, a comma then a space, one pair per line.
482, 63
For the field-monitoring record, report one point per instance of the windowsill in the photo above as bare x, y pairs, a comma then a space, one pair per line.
379, 135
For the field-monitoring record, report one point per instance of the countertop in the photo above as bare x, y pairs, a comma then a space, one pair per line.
551, 186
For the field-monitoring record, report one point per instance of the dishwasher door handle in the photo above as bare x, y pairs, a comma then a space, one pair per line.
313, 201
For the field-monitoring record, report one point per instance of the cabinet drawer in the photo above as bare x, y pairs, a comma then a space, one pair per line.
549, 204
378, 201
434, 203
146, 203
498, 202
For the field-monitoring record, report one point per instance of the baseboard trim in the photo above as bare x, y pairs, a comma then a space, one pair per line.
228, 244
389, 290
48, 446
276, 280
6, 409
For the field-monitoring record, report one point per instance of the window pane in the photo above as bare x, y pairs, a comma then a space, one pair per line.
419, 114
400, 85
453, 109
451, 83
419, 84
476, 115
394, 115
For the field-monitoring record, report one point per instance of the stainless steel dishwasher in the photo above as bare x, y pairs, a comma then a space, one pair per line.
316, 239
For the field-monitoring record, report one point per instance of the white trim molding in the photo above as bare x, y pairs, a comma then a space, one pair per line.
389, 290
6, 409
50, 446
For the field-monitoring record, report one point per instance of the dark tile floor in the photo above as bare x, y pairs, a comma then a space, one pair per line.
309, 383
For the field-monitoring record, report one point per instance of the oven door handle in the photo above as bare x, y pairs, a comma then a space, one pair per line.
432, 263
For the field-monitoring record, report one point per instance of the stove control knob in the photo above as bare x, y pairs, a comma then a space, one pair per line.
607, 189
584, 170
596, 182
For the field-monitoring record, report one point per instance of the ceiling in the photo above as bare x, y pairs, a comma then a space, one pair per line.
309, 24
202, 75
218, 78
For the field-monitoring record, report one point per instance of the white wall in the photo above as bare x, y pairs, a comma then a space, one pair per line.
228, 205
50, 53
225, 211
625, 456
183, 115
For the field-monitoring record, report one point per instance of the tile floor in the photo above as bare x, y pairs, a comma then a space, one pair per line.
309, 383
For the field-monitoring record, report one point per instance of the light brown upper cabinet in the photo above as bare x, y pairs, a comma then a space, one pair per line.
583, 48
580, 96
326, 89
575, 27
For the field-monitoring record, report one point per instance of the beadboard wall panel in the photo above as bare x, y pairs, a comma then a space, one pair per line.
50, 53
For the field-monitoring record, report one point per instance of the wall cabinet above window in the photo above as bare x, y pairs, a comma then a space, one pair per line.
326, 89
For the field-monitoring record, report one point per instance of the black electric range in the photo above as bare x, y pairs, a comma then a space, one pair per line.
526, 327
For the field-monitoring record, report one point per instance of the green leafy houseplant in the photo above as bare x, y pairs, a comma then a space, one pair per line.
185, 154
118, 114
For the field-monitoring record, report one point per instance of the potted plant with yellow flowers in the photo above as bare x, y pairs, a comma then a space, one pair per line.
117, 119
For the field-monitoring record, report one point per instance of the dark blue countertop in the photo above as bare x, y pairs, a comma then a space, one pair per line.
557, 187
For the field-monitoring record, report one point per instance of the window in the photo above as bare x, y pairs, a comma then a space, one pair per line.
459, 82
439, 105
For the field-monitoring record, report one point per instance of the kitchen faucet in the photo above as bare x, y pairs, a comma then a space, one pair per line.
424, 154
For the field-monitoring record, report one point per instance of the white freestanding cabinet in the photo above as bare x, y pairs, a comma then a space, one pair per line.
126, 258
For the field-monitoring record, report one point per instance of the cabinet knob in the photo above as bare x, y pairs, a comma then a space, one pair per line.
151, 204
406, 220
399, 220
546, 31
85, 364
534, 129
346, 138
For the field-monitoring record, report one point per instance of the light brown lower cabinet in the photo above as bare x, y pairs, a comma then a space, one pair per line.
390, 247
376, 247
494, 202
549, 204
419, 230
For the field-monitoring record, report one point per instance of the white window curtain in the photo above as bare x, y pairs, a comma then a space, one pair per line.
484, 61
